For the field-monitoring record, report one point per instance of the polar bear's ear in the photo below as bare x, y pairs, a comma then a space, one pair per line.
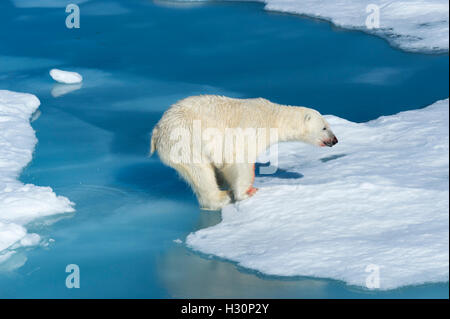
307, 117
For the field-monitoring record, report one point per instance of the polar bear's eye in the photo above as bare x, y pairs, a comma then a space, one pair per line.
324, 128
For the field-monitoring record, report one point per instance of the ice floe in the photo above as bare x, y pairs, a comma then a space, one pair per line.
376, 202
65, 76
20, 203
420, 25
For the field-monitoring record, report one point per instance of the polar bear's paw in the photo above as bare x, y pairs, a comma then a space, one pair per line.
221, 199
247, 194
251, 191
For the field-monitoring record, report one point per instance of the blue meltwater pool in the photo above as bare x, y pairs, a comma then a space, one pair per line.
137, 57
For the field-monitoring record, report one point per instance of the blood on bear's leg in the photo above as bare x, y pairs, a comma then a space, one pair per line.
252, 190
240, 178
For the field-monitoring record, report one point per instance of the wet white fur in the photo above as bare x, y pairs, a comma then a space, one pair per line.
292, 123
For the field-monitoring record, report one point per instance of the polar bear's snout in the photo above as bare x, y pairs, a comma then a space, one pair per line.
331, 141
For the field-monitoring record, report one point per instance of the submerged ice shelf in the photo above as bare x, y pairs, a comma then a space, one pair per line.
378, 198
20, 203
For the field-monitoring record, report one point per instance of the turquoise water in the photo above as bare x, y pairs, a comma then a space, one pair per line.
139, 57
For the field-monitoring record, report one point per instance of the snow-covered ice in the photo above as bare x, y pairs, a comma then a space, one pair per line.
379, 197
20, 203
66, 77
419, 25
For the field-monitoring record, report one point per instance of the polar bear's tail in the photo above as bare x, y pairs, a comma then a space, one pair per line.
153, 142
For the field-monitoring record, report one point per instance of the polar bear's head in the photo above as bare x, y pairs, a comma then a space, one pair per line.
316, 129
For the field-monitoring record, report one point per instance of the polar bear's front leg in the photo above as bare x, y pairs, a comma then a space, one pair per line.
203, 181
240, 177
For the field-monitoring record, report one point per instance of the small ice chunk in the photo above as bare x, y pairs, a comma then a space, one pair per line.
30, 240
66, 77
178, 241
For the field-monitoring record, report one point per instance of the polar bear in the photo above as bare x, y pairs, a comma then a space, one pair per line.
193, 137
